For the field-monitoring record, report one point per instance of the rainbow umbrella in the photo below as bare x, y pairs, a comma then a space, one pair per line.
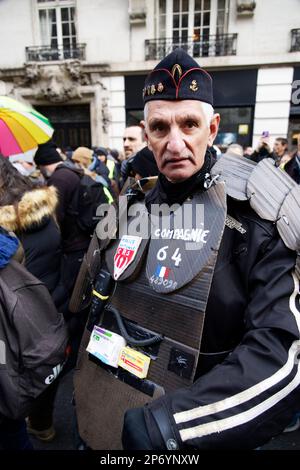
22, 128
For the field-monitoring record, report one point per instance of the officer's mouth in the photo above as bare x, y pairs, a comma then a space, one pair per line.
176, 161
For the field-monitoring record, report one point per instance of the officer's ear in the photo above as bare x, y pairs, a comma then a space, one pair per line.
214, 127
143, 125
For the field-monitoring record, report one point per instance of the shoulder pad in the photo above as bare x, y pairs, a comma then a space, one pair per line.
297, 269
288, 222
276, 197
235, 172
272, 194
267, 188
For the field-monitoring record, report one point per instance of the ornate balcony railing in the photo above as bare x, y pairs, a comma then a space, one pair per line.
213, 45
46, 53
295, 43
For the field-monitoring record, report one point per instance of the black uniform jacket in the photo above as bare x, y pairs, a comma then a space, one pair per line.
248, 376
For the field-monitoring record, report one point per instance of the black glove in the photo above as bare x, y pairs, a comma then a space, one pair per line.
135, 435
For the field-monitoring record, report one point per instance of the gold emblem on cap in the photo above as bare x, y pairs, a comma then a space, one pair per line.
194, 85
160, 87
148, 90
178, 68
153, 89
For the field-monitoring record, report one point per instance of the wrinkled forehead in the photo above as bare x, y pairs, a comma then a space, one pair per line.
161, 108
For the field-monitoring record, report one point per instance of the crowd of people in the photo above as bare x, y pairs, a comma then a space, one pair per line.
221, 359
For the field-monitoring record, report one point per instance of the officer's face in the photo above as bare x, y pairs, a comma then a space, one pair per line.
178, 134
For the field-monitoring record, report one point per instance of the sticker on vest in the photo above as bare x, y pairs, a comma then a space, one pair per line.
125, 253
106, 346
135, 362
163, 276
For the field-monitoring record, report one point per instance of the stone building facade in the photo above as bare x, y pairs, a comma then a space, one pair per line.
83, 63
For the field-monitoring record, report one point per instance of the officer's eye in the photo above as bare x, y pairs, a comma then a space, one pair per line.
157, 127
190, 124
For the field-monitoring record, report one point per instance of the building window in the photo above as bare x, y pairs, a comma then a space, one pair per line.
236, 126
222, 17
57, 25
190, 20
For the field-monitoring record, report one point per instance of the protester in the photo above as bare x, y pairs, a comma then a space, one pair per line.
292, 164
105, 166
13, 433
66, 179
133, 141
236, 149
29, 211
263, 149
25, 165
33, 343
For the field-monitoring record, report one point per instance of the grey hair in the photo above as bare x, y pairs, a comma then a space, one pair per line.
207, 109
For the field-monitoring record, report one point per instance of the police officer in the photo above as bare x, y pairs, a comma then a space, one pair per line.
205, 316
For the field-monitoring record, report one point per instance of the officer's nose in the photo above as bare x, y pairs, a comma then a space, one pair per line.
175, 142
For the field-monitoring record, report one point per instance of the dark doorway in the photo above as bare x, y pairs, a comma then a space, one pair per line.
71, 124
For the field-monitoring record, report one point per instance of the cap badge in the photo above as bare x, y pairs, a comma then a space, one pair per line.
177, 68
160, 87
194, 85
153, 89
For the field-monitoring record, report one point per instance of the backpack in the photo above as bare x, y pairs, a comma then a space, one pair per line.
33, 340
88, 196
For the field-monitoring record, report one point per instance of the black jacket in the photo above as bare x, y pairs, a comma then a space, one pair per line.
251, 331
66, 180
32, 219
35, 338
292, 167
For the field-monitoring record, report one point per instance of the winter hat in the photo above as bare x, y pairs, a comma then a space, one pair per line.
144, 163
101, 151
83, 155
47, 154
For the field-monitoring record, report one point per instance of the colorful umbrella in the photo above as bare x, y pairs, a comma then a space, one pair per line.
21, 128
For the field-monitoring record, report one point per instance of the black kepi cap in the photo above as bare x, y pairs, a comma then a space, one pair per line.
178, 77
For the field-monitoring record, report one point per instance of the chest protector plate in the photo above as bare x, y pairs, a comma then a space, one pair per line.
164, 291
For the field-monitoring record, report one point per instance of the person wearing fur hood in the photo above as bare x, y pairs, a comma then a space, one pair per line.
29, 212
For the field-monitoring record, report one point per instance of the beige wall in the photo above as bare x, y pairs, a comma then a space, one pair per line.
104, 26
16, 32
115, 47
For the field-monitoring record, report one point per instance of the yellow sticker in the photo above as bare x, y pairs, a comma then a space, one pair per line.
135, 362
243, 129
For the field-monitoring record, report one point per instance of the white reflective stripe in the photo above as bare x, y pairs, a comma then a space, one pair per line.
255, 390
293, 307
244, 396
242, 418
2, 352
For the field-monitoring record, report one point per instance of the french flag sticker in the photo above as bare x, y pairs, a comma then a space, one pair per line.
162, 271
